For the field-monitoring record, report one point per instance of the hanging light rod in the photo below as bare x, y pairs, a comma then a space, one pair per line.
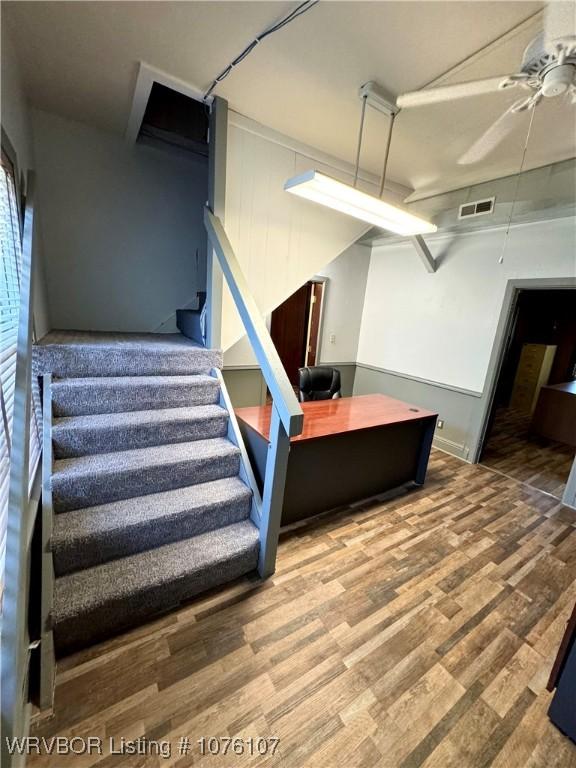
319, 188
377, 98
379, 212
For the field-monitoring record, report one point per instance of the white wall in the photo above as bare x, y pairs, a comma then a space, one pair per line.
441, 326
124, 241
15, 116
343, 304
16, 123
341, 311
280, 240
240, 354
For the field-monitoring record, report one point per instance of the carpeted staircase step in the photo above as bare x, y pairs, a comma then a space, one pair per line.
98, 479
97, 602
104, 433
115, 394
69, 354
95, 535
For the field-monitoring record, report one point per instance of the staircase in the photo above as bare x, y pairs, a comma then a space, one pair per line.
149, 508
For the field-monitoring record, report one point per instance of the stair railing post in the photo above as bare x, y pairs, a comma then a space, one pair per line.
47, 654
216, 200
273, 494
287, 417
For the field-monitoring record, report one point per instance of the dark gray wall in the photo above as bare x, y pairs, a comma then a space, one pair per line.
460, 411
246, 385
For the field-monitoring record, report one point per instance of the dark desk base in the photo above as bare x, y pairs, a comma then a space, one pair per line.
562, 711
332, 471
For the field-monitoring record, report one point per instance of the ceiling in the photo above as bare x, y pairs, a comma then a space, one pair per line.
80, 60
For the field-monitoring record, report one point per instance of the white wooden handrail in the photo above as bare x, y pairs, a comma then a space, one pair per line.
287, 418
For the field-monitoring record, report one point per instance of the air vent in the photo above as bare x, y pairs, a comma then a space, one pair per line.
478, 208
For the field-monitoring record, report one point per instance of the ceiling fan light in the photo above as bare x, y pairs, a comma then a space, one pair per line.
319, 188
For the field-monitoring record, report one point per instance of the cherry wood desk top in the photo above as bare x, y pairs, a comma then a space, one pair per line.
333, 417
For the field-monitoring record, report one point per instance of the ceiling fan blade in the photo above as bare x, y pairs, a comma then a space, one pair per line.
458, 91
559, 24
490, 139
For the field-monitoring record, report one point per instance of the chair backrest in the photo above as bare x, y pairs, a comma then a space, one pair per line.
319, 382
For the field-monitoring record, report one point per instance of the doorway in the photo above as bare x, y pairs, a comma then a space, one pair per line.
531, 434
295, 328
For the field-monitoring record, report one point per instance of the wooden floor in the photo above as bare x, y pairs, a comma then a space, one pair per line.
416, 632
541, 463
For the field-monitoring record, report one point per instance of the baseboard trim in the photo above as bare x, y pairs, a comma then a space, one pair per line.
451, 447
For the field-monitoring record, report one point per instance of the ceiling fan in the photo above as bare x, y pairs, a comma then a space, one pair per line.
548, 70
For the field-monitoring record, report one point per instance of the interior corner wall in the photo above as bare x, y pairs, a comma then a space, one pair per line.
428, 337
17, 126
281, 241
124, 241
342, 306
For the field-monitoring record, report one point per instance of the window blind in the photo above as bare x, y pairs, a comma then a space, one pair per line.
10, 281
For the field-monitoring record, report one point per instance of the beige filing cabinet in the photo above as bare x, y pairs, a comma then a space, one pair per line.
532, 374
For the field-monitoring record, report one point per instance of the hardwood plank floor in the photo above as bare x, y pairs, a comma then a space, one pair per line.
537, 461
418, 631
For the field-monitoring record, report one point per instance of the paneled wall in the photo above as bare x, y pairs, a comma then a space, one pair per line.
280, 240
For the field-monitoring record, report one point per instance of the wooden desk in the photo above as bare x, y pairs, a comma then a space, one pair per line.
350, 449
555, 414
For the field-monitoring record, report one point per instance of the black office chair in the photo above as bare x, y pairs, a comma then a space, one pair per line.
318, 382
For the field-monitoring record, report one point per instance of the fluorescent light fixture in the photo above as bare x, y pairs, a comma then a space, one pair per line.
322, 189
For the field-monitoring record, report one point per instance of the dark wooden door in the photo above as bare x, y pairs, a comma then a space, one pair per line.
315, 310
289, 331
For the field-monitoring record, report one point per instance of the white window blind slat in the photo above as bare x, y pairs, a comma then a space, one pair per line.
10, 272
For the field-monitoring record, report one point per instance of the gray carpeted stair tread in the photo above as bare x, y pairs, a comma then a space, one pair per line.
150, 506
87, 537
113, 394
68, 354
104, 433
101, 478
93, 603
